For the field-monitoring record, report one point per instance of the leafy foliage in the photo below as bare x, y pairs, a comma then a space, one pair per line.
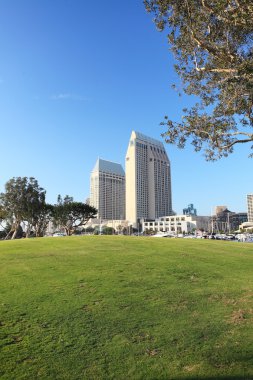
212, 44
70, 215
3, 215
42, 218
108, 230
24, 202
21, 202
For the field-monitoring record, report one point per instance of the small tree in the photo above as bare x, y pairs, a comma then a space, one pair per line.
120, 228
70, 215
42, 219
108, 230
36, 205
89, 229
21, 202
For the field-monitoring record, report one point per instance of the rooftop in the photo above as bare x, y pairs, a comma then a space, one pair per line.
147, 139
108, 167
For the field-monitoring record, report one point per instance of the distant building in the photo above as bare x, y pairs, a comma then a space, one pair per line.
227, 221
87, 201
190, 210
248, 225
177, 224
250, 207
107, 190
99, 224
219, 209
239, 218
148, 179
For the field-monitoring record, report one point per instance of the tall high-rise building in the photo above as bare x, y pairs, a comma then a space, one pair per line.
107, 190
148, 179
250, 207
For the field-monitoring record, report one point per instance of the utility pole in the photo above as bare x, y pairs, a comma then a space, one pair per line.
228, 223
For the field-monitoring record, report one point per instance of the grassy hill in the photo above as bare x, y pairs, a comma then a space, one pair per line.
101, 307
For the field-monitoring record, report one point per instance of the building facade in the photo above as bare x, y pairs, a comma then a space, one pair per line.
250, 207
226, 221
176, 224
148, 179
107, 190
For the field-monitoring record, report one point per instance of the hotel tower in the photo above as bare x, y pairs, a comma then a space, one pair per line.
250, 207
148, 179
107, 190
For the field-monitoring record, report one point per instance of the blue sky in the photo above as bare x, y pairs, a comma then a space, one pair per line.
76, 77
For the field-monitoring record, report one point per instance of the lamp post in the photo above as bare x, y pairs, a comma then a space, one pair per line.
100, 226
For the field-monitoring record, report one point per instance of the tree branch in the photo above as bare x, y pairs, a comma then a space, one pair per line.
216, 70
224, 147
250, 135
229, 12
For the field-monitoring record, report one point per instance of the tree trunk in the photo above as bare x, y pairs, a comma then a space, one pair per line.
15, 233
16, 227
28, 230
9, 234
68, 231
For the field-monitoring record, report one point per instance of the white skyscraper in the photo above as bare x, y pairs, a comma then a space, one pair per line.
148, 179
107, 190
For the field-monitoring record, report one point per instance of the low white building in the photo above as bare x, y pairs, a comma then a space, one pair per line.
117, 225
176, 224
246, 226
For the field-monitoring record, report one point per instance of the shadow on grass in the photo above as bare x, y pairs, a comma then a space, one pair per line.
217, 377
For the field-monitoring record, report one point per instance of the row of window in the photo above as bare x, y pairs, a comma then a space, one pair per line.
182, 219
157, 149
162, 224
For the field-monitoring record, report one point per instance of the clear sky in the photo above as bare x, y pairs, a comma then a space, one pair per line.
76, 77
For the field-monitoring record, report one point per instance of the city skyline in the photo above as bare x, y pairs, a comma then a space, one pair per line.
76, 88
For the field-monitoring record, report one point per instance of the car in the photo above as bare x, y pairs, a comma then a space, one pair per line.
57, 234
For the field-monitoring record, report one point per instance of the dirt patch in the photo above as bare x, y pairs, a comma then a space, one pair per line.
153, 352
238, 316
191, 368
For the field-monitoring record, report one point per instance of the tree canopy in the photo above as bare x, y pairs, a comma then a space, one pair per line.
212, 42
70, 215
42, 218
21, 202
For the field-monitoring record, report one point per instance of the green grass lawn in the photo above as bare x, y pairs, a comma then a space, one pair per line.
101, 307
